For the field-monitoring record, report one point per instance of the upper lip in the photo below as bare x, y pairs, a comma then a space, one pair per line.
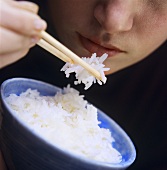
108, 46
105, 45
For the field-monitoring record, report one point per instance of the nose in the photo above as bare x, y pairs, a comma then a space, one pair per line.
115, 15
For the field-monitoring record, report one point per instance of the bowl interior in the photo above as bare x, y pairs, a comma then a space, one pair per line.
122, 141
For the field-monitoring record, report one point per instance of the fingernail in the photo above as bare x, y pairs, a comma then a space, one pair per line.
40, 24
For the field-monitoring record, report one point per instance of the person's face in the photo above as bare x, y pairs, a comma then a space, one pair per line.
128, 30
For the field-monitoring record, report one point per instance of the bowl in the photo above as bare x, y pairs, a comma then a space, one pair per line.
25, 150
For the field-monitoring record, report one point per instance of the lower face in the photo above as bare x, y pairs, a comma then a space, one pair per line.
77, 27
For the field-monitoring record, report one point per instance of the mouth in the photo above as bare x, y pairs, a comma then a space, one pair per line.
94, 46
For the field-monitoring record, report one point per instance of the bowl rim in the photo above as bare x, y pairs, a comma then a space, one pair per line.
56, 147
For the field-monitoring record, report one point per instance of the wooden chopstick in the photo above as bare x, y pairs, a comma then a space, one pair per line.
56, 48
42, 43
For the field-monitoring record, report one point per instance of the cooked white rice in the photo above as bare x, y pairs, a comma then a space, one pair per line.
66, 120
82, 75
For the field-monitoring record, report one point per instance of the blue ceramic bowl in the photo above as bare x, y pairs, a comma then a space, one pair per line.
25, 150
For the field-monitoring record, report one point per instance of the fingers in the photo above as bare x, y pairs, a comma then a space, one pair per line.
9, 58
19, 19
29, 6
20, 28
13, 41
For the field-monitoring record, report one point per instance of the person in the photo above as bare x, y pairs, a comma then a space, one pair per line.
133, 33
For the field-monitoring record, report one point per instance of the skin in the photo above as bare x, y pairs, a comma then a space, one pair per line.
130, 30
127, 30
19, 36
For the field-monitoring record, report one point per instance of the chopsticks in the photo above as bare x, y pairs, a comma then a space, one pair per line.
59, 50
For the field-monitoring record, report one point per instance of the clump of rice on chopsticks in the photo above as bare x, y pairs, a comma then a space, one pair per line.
82, 75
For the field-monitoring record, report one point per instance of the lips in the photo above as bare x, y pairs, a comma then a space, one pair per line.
94, 47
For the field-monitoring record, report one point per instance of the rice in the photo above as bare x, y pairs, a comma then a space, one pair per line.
67, 121
82, 75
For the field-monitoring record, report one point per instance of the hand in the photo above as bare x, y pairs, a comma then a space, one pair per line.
20, 28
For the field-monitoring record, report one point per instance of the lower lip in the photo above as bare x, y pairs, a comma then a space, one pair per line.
95, 48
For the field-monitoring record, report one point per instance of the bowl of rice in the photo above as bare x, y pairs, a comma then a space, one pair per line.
44, 127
